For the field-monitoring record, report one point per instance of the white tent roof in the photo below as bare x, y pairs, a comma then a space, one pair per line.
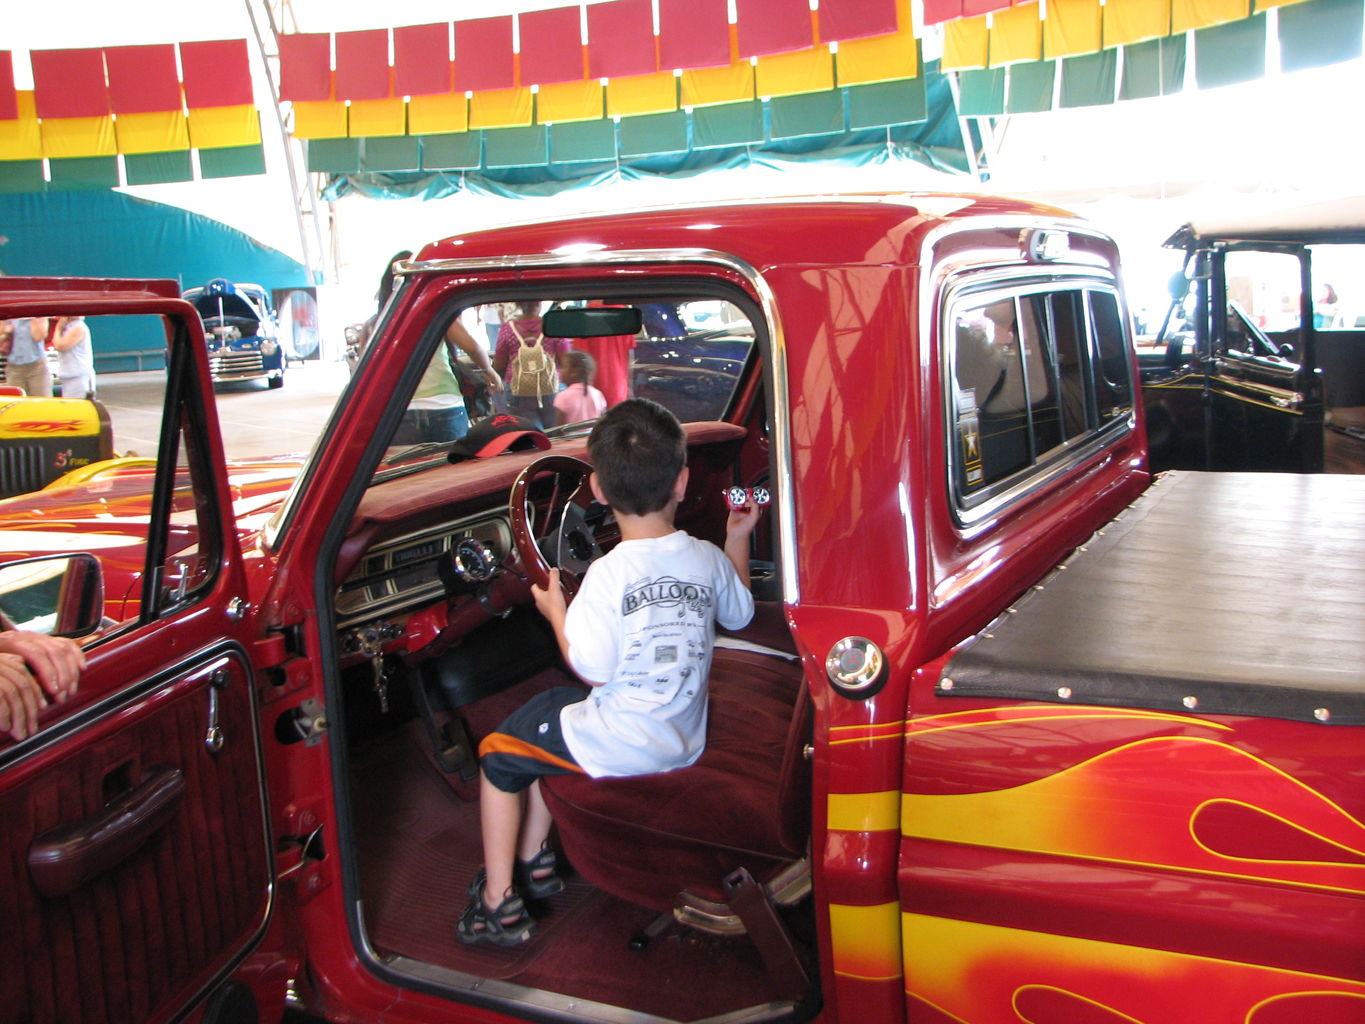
1338, 220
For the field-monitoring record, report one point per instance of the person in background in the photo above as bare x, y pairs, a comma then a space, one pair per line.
75, 357
1325, 309
521, 328
27, 352
579, 400
35, 670
491, 318
614, 356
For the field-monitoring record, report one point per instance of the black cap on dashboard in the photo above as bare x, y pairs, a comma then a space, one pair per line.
501, 432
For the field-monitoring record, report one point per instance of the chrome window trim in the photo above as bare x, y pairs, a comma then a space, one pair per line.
784, 514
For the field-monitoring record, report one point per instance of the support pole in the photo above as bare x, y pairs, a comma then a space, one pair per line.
300, 188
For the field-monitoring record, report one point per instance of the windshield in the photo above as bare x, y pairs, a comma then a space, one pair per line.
496, 359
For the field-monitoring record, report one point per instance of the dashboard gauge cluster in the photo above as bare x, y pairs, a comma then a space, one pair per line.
419, 568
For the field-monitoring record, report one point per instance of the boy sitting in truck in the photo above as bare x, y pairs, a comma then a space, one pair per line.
640, 634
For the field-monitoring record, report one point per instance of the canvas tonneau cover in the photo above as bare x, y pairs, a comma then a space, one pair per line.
1222, 593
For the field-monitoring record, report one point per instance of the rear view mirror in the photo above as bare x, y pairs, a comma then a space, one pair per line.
591, 322
60, 595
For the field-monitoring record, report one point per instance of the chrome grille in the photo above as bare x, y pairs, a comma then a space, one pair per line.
21, 469
229, 365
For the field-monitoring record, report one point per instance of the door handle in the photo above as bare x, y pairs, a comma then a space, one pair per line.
64, 858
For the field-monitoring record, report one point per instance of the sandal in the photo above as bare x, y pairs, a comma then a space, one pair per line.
536, 878
507, 924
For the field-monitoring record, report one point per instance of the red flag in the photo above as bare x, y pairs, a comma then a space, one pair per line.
621, 39
935, 11
305, 66
693, 34
551, 46
142, 79
217, 73
772, 26
971, 8
362, 64
857, 19
69, 83
421, 60
483, 54
9, 99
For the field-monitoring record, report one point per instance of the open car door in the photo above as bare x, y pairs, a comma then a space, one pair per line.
1219, 392
137, 871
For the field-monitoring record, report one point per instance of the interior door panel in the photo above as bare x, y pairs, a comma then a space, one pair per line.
137, 854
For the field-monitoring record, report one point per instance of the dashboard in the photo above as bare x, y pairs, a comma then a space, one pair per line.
406, 572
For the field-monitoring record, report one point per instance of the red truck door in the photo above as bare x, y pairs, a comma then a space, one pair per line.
137, 870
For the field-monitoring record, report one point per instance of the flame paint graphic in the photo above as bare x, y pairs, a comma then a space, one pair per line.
960, 971
1106, 808
1126, 788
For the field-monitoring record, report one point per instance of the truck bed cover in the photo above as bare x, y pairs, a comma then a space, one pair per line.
1225, 593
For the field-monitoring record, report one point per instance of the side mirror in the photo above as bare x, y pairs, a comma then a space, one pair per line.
60, 595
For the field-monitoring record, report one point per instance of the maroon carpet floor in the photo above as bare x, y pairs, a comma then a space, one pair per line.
418, 841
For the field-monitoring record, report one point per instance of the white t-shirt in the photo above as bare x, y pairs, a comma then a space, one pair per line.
645, 622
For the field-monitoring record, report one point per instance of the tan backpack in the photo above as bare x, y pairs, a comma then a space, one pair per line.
533, 373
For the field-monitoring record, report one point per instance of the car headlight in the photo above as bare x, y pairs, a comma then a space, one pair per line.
269, 347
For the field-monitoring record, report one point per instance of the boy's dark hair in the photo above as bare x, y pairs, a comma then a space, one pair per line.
579, 367
637, 449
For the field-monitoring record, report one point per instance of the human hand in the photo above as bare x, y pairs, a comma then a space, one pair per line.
490, 375
550, 600
56, 661
741, 521
21, 699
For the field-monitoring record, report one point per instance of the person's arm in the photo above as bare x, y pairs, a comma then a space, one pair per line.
56, 661
457, 335
70, 333
739, 527
551, 604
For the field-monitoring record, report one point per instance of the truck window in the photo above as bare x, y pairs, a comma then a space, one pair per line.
1033, 376
1111, 374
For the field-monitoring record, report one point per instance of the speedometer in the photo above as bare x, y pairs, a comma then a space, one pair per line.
472, 560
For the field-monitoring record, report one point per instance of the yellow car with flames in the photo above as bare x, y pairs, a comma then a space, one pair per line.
43, 438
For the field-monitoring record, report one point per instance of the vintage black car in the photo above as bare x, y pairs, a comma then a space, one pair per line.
1225, 389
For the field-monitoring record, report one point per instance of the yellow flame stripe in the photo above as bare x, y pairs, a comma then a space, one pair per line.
866, 941
974, 971
1031, 713
865, 812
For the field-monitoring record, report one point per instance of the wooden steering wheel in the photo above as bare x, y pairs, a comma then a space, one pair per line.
555, 533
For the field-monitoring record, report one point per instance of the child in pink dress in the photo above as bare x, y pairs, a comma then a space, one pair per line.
579, 400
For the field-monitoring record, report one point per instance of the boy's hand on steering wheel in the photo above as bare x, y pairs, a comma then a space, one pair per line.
550, 600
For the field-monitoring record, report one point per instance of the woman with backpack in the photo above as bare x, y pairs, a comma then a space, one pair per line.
529, 364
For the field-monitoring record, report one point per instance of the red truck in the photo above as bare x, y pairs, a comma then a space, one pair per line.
1018, 734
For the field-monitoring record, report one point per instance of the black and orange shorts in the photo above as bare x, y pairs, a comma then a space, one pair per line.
529, 742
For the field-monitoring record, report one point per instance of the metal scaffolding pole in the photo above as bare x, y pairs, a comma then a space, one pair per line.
304, 196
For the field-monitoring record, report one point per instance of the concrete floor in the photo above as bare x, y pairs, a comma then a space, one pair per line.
254, 420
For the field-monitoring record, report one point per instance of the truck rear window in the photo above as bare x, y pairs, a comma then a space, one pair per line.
1033, 375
